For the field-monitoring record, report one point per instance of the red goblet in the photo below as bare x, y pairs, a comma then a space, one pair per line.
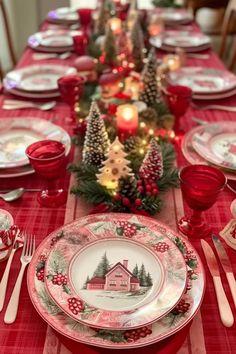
200, 185
80, 43
178, 99
47, 157
71, 89
85, 17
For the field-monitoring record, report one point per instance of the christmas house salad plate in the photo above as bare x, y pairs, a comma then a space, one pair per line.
120, 275
171, 323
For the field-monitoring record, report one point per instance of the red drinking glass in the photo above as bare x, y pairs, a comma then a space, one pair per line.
47, 157
178, 99
200, 185
85, 17
71, 89
80, 43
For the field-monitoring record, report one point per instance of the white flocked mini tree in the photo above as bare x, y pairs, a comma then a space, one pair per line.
114, 167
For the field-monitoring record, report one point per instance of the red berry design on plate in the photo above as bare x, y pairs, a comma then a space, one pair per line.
59, 279
135, 334
161, 247
75, 305
128, 229
190, 256
182, 307
43, 258
40, 275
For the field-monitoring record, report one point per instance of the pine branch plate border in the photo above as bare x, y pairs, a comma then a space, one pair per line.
179, 317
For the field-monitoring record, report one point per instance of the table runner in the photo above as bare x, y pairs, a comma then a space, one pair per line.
27, 335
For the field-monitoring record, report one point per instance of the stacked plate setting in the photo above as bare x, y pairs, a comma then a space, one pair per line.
63, 15
53, 41
36, 81
16, 134
173, 17
104, 279
206, 83
190, 43
213, 143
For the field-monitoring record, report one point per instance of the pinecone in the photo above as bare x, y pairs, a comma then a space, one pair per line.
149, 115
167, 121
127, 187
130, 144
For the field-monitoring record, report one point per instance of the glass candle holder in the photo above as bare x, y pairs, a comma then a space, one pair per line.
47, 157
200, 186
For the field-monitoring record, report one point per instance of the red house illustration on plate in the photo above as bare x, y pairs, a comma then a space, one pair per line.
117, 278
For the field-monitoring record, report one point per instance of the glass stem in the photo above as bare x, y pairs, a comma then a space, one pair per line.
196, 218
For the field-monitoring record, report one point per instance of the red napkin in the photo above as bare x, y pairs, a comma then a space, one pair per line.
167, 346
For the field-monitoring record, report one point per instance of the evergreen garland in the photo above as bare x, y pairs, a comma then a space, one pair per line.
89, 189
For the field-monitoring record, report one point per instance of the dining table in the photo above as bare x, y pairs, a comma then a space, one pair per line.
29, 333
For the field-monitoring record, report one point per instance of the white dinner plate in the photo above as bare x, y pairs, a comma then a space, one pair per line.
63, 15
16, 134
203, 81
36, 78
185, 41
57, 41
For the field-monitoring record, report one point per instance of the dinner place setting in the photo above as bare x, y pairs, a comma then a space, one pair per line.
118, 185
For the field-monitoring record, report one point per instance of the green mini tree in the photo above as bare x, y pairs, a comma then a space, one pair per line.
137, 43
96, 143
109, 49
150, 94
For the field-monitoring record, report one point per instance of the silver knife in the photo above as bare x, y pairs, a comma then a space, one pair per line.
223, 304
225, 262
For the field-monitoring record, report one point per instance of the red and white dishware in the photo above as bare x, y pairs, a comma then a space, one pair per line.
173, 322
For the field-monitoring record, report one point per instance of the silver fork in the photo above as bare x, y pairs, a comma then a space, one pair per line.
26, 256
18, 242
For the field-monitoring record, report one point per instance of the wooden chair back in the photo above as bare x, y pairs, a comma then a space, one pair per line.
3, 14
229, 18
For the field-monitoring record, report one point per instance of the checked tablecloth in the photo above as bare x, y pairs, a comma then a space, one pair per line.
30, 334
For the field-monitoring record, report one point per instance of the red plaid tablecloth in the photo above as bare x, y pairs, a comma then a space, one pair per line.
28, 334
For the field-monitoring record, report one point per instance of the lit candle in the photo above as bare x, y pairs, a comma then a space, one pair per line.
127, 121
132, 87
116, 25
173, 61
156, 26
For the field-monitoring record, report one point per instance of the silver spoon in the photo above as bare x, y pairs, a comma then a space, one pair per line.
16, 194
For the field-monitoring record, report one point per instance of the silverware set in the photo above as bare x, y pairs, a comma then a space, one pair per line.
28, 243
225, 311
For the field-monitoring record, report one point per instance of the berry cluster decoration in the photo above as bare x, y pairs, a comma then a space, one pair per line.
125, 228
161, 247
60, 279
40, 275
181, 308
75, 305
134, 334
